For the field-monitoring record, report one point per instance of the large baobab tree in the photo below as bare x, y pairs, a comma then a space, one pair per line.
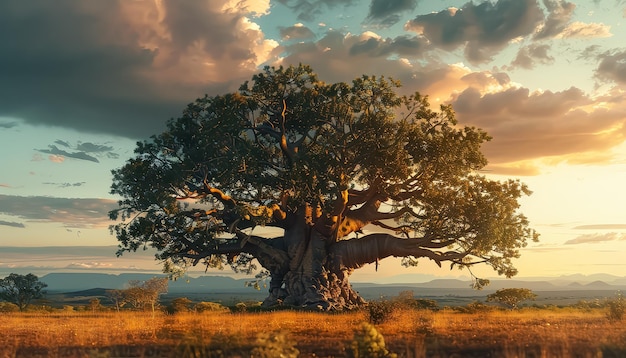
312, 181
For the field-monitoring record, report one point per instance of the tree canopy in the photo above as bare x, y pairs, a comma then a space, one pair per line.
343, 175
511, 296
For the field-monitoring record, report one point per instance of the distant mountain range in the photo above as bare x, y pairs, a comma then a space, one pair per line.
67, 282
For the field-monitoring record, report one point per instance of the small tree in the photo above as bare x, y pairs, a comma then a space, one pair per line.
21, 289
511, 296
616, 307
94, 304
145, 293
117, 297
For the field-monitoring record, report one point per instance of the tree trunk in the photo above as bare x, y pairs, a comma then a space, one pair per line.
310, 267
313, 278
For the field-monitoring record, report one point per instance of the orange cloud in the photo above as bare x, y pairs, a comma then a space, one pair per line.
56, 158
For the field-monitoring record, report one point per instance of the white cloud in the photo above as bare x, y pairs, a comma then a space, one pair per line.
585, 30
596, 238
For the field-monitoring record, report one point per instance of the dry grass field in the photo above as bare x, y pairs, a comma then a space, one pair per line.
528, 332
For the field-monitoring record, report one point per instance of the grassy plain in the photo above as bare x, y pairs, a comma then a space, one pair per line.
528, 332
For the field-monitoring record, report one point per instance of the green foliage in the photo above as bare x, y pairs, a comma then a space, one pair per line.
616, 307
511, 296
380, 311
275, 344
369, 343
286, 140
21, 289
210, 307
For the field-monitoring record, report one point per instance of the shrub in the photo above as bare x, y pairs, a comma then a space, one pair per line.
369, 343
616, 307
179, 305
380, 311
276, 344
211, 307
474, 307
8, 307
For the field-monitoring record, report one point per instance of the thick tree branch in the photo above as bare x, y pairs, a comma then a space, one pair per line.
355, 253
279, 256
357, 219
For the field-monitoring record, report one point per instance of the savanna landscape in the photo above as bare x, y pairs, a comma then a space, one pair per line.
474, 330
416, 143
302, 182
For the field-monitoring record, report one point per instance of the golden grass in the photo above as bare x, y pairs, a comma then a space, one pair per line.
522, 333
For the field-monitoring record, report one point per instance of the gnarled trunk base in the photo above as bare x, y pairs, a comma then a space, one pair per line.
330, 291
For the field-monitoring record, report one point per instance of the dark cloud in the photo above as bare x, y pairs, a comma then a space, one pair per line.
121, 68
484, 29
596, 238
66, 185
296, 32
80, 213
560, 14
83, 150
62, 143
93, 148
589, 53
12, 224
529, 56
54, 150
612, 67
308, 10
402, 45
386, 12
8, 125
60, 67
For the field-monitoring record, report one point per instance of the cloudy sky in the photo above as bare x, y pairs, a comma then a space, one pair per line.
82, 80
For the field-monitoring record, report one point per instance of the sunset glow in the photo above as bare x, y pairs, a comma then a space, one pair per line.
82, 82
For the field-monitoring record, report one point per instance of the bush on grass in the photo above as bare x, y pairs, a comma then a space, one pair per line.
179, 305
616, 308
474, 307
211, 307
369, 343
380, 311
275, 344
8, 307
